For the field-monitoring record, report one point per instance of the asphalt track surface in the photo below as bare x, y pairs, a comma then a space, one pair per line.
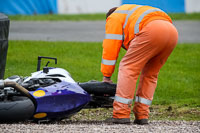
85, 31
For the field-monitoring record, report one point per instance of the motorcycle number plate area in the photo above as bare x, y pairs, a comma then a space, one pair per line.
59, 100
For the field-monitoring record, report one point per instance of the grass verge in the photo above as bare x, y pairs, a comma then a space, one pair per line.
178, 90
59, 17
157, 112
91, 17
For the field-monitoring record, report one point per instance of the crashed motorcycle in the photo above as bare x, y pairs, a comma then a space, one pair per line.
50, 94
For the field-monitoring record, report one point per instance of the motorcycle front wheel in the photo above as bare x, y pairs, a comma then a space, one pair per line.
17, 108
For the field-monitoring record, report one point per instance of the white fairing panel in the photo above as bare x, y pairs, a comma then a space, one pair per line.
58, 73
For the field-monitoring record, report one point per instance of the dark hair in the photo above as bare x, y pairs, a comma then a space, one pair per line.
110, 11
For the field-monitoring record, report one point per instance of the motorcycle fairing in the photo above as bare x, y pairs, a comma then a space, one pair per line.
60, 99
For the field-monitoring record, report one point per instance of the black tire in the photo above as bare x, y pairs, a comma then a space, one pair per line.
19, 108
99, 88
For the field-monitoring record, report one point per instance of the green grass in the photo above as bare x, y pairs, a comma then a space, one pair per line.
178, 84
93, 17
179, 78
184, 16
54, 17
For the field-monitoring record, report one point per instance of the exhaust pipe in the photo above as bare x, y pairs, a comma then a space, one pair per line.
17, 110
17, 87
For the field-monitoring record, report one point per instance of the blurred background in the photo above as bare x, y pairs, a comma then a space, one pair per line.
32, 7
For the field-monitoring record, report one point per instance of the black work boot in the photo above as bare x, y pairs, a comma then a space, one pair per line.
118, 120
141, 122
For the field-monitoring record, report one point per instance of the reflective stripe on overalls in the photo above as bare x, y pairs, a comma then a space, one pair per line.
129, 101
126, 21
113, 37
143, 100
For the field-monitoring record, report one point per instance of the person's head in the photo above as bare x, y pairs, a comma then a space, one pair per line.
110, 11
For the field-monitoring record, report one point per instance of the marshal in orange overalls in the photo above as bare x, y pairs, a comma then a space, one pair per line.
149, 37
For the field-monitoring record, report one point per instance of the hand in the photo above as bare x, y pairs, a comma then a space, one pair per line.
107, 80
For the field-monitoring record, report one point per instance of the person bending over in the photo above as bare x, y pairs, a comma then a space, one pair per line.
148, 36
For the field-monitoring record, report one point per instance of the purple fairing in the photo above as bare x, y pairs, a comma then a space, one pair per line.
61, 100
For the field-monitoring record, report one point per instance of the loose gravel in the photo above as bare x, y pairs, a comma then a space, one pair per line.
101, 127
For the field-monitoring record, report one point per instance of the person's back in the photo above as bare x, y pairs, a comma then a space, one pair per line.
124, 23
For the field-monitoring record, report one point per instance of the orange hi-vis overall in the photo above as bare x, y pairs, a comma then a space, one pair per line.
149, 37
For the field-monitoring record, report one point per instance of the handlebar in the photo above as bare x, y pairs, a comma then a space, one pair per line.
39, 61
